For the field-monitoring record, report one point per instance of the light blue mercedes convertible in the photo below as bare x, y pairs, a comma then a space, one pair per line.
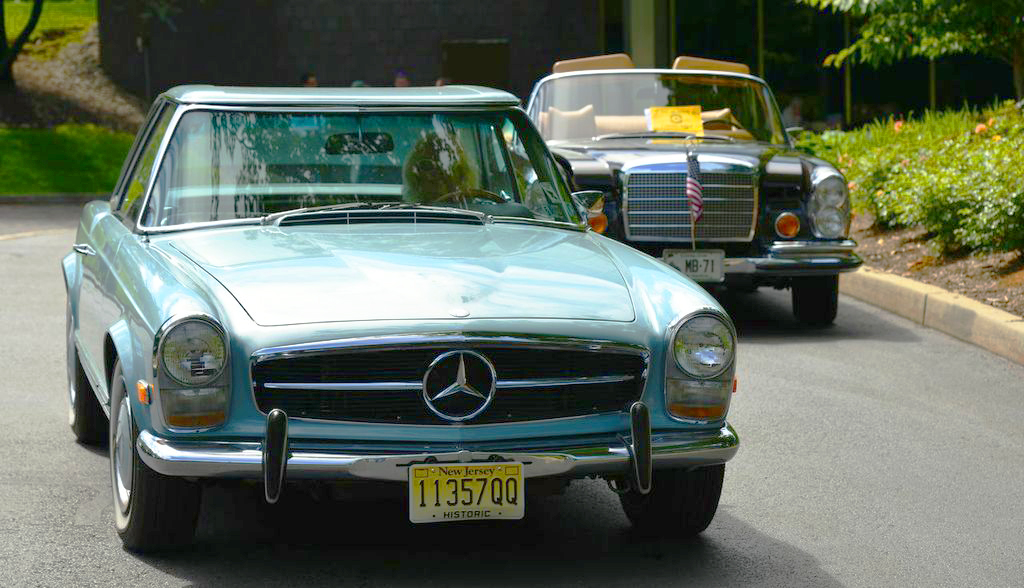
346, 288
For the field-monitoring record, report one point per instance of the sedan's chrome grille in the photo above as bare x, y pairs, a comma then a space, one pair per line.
385, 385
657, 208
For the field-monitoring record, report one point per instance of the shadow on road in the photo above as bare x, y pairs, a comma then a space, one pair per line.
579, 539
767, 315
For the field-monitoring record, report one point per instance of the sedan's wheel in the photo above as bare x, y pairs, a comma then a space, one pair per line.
816, 299
681, 503
85, 415
151, 511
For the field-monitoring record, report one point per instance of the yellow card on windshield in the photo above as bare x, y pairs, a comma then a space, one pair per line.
683, 119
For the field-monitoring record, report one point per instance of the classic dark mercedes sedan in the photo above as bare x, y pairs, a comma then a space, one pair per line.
767, 215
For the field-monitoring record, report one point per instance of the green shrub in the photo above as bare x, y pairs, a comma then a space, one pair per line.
958, 174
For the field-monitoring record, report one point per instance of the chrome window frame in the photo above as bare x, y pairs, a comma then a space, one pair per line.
183, 109
452, 341
591, 72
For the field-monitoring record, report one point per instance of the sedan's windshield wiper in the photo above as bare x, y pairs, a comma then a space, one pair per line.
663, 134
277, 217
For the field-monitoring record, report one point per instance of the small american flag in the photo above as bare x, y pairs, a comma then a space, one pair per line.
694, 191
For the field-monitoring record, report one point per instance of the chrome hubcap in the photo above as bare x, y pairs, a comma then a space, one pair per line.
122, 456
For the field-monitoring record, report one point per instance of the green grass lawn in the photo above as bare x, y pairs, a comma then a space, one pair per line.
62, 22
67, 158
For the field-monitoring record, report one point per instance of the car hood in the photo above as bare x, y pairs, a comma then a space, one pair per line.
308, 274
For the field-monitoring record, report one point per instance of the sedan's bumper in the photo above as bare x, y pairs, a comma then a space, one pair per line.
245, 459
798, 258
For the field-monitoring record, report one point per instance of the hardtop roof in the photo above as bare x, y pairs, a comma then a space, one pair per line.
301, 96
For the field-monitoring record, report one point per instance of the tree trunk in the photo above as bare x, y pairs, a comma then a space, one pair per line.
9, 53
1018, 69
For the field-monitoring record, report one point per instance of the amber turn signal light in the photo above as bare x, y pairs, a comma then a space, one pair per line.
597, 221
787, 224
143, 389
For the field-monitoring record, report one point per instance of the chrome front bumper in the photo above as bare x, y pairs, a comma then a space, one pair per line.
799, 258
245, 459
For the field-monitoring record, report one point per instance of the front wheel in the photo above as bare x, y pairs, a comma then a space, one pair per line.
816, 299
681, 503
151, 511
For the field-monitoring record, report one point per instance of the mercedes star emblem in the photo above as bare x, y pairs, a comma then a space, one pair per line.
459, 385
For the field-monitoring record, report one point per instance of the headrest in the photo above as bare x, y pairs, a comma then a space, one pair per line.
614, 61
684, 62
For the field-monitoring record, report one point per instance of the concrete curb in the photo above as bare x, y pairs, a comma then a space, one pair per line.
979, 324
54, 198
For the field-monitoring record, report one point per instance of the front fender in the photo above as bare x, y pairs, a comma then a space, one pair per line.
72, 272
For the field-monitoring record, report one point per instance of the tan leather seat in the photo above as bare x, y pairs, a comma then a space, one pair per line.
613, 61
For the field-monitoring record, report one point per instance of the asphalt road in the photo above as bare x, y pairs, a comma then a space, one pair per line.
873, 453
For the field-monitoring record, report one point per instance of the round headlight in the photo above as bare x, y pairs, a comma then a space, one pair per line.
704, 346
831, 192
830, 222
193, 353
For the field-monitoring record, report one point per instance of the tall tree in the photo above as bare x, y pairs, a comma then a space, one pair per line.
896, 29
9, 51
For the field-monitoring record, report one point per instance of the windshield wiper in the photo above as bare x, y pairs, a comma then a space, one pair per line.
277, 217
663, 134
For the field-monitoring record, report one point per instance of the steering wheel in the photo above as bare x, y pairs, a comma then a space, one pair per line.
473, 193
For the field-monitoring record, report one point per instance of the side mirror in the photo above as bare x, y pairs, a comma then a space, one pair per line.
591, 205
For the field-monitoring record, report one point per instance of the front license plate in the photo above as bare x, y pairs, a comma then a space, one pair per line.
440, 493
702, 265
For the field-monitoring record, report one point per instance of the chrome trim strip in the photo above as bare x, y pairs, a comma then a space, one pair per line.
556, 382
243, 459
501, 385
341, 386
446, 339
793, 248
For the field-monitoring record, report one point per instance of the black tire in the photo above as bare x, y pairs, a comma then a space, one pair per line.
816, 300
160, 512
681, 503
85, 415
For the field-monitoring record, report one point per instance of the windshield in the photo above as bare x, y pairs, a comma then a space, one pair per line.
223, 165
629, 103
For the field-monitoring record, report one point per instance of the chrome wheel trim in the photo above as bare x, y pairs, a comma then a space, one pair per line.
122, 454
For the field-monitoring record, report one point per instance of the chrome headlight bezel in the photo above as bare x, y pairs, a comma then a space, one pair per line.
167, 333
688, 370
829, 196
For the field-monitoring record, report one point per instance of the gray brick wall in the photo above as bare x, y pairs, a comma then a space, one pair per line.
272, 42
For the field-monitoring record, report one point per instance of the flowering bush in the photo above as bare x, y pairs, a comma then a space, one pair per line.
959, 174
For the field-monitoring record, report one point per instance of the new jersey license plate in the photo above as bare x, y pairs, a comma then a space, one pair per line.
702, 265
440, 493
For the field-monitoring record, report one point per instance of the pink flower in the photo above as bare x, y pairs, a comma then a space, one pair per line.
852, 185
897, 126
981, 128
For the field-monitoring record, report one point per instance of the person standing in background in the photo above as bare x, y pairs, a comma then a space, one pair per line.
309, 80
401, 80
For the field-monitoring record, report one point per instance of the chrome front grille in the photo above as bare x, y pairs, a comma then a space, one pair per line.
656, 208
384, 385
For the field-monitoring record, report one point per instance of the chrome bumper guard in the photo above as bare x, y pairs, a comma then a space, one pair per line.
799, 258
629, 457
